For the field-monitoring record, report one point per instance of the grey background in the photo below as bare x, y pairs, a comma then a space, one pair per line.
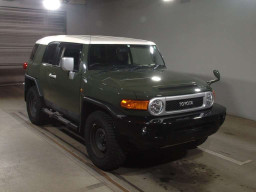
194, 36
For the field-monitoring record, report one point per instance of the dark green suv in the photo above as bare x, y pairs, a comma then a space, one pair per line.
118, 94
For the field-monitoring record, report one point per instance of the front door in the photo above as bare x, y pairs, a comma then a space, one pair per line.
49, 63
65, 88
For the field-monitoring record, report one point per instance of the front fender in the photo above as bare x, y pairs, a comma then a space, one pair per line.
115, 112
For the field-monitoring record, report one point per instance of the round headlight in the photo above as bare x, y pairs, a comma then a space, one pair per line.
209, 99
156, 107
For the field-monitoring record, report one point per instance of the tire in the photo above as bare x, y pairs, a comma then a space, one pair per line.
34, 107
101, 142
195, 144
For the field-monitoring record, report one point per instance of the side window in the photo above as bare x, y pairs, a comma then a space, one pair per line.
50, 54
72, 50
34, 52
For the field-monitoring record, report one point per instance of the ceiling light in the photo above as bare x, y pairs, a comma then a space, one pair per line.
168, 0
52, 4
156, 78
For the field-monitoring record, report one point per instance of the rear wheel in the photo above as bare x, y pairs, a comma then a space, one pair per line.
101, 142
34, 107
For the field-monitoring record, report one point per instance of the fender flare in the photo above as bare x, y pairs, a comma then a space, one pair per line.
109, 108
36, 83
114, 112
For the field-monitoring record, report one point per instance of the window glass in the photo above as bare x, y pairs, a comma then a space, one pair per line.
141, 55
72, 50
117, 56
50, 54
108, 55
34, 51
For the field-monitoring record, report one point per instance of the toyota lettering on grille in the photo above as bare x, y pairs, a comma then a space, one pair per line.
186, 103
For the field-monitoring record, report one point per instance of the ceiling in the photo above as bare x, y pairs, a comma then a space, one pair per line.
78, 2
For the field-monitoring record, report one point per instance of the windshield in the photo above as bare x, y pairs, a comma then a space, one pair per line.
124, 56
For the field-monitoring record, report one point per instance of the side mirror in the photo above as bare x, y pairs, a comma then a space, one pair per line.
217, 75
67, 63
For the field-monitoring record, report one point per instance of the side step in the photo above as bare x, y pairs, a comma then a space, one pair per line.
59, 117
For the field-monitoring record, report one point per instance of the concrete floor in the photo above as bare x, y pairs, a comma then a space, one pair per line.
49, 158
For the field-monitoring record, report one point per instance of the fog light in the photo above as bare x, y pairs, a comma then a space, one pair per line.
144, 131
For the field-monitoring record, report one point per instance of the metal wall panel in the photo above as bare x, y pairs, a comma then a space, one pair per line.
20, 28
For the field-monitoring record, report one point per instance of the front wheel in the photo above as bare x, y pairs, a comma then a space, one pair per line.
101, 142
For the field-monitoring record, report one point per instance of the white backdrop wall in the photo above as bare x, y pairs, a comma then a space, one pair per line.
195, 36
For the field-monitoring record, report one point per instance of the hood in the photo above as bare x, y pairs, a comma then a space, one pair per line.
151, 82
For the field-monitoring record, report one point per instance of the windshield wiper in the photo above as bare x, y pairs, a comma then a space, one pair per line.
135, 67
116, 67
156, 66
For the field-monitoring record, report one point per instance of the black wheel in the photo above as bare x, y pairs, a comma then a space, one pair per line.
34, 107
101, 142
195, 144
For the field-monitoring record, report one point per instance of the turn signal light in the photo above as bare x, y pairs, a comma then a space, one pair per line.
133, 104
25, 65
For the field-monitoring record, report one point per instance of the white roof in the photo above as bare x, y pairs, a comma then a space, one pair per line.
90, 39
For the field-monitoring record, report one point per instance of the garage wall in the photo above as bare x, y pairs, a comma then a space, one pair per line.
22, 22
19, 29
76, 14
195, 36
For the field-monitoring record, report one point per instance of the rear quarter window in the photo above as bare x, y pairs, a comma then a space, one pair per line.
34, 50
50, 54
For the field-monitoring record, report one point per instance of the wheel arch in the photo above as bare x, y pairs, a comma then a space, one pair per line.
30, 82
89, 105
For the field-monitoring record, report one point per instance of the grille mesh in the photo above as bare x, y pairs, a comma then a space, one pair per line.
182, 104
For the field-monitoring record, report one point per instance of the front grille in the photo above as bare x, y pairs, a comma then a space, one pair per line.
175, 105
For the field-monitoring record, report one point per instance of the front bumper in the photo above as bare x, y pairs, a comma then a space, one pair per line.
150, 132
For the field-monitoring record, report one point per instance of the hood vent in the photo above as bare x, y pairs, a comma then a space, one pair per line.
177, 87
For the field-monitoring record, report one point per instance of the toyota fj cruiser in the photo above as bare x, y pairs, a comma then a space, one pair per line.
118, 95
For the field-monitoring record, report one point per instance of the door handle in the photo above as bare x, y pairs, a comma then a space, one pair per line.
52, 76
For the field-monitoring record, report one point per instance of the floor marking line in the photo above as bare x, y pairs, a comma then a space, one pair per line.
25, 118
95, 186
102, 173
225, 157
